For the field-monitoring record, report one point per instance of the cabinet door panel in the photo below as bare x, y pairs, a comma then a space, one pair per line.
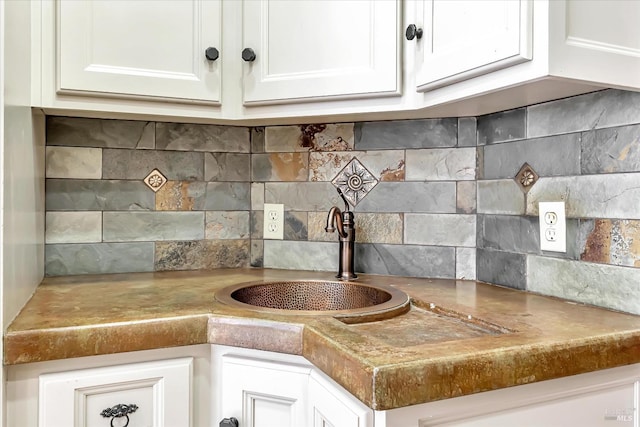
332, 406
161, 391
466, 38
317, 49
139, 48
264, 394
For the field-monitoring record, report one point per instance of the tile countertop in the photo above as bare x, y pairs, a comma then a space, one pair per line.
432, 352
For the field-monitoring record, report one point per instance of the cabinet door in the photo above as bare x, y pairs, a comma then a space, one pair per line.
264, 394
465, 38
139, 48
157, 394
318, 49
332, 406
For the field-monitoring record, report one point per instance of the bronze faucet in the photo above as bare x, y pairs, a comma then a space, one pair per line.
346, 236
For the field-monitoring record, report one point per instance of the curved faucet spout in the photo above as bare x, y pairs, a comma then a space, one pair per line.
335, 216
343, 222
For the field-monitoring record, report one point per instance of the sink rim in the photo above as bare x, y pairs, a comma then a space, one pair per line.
398, 303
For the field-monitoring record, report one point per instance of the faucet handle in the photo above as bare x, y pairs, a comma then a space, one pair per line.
344, 199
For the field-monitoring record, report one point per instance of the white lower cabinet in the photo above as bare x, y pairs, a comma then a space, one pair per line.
264, 389
332, 406
199, 386
139, 394
170, 388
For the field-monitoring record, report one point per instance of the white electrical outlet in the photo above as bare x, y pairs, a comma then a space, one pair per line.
553, 226
273, 221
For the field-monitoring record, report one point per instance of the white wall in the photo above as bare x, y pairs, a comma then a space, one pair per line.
22, 166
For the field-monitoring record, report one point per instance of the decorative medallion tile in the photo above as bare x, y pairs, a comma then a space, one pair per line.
155, 180
355, 181
526, 177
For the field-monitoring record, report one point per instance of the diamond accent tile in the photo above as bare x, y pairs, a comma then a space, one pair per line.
155, 180
526, 177
355, 181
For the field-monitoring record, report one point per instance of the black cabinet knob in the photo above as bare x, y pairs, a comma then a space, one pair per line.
229, 422
212, 53
248, 54
413, 32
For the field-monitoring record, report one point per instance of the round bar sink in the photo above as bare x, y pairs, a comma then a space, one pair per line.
348, 301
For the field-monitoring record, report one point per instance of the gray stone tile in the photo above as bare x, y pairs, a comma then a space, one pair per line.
257, 139
405, 260
370, 228
503, 126
467, 132
257, 224
98, 258
440, 229
551, 156
73, 227
136, 164
228, 196
500, 197
591, 196
441, 164
224, 225
197, 137
257, 253
522, 234
227, 167
202, 255
611, 150
73, 162
384, 165
613, 287
466, 197
427, 197
466, 263
302, 196
280, 167
502, 268
595, 110
198, 196
378, 227
295, 225
316, 256
509, 233
427, 133
80, 132
152, 226
257, 196
97, 195
313, 137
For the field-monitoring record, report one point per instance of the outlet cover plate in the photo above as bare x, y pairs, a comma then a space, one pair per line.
553, 226
273, 221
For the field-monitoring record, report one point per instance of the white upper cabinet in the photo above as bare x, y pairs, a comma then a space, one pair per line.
310, 49
465, 38
284, 62
139, 48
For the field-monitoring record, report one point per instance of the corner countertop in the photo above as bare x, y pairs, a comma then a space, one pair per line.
459, 338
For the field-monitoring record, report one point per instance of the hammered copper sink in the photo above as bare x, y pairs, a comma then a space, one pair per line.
350, 302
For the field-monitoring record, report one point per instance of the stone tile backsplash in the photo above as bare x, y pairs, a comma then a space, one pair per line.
586, 150
446, 204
